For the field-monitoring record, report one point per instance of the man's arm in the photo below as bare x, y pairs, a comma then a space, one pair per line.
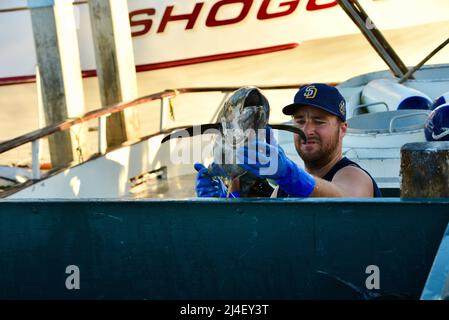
350, 181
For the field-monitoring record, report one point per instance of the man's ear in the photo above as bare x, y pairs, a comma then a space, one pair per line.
343, 128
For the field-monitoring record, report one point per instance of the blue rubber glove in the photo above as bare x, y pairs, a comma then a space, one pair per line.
208, 186
269, 161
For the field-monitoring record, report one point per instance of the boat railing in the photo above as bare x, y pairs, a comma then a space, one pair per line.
164, 96
365, 105
388, 122
27, 8
393, 121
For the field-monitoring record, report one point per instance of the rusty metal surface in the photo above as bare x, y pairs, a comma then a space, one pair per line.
425, 170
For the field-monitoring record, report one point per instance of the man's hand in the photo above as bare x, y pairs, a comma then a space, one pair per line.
268, 160
208, 186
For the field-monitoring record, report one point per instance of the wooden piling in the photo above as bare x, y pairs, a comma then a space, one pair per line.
59, 70
425, 170
115, 66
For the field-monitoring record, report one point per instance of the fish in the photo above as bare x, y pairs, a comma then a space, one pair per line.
244, 115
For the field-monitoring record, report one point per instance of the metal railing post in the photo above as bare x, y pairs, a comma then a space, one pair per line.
163, 114
102, 143
35, 159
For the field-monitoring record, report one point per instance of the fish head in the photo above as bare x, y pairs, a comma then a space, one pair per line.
245, 111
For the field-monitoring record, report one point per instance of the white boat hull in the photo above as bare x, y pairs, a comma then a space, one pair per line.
315, 60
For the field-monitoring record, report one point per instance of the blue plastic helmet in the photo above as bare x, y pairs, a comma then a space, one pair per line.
443, 99
437, 125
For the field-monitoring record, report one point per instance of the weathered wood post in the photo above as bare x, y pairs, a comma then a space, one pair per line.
59, 70
115, 66
425, 170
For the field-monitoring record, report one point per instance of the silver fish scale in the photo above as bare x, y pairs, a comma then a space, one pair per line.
245, 111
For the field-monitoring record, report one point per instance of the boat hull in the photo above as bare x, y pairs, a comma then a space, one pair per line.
217, 249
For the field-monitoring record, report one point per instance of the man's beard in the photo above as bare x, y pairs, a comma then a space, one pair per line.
323, 156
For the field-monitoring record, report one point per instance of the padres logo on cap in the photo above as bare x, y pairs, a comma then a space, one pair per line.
342, 107
310, 92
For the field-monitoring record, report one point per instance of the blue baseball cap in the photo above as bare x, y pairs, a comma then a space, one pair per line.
319, 95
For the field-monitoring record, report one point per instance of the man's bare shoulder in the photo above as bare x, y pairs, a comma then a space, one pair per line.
352, 171
354, 181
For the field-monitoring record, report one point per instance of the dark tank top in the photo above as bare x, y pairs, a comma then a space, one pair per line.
344, 162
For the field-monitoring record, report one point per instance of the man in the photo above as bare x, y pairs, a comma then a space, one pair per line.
320, 111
